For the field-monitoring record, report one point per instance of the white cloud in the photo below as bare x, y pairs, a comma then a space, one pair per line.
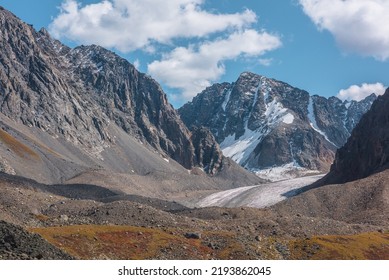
265, 61
205, 39
359, 26
358, 93
194, 68
137, 24
136, 63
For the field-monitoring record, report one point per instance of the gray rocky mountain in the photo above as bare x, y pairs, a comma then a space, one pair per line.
269, 126
78, 92
366, 151
66, 113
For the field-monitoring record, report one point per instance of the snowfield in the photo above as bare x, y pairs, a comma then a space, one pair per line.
256, 196
284, 172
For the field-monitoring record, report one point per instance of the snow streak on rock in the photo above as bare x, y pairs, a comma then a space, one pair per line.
240, 149
225, 103
313, 123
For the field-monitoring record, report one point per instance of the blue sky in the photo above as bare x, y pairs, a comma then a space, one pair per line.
327, 47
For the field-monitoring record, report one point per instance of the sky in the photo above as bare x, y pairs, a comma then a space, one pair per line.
327, 47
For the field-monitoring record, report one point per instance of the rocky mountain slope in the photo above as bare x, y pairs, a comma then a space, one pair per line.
77, 92
361, 201
262, 123
66, 113
367, 150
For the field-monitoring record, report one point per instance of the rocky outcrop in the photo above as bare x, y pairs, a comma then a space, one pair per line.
18, 244
367, 150
207, 151
263, 123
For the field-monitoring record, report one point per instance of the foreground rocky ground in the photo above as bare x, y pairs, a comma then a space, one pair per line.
132, 227
18, 244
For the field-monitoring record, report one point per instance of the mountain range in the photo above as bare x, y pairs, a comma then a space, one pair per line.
272, 128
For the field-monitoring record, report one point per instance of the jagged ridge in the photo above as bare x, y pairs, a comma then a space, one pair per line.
264, 123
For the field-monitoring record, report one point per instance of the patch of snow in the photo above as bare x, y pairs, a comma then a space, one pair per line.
245, 74
260, 196
284, 172
347, 104
275, 112
344, 121
220, 198
226, 100
288, 118
240, 149
313, 123
295, 163
166, 159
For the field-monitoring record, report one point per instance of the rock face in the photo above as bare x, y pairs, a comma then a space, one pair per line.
367, 150
207, 151
18, 244
262, 123
77, 94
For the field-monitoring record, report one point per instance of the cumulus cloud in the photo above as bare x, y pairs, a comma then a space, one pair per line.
356, 92
193, 68
134, 24
359, 26
196, 42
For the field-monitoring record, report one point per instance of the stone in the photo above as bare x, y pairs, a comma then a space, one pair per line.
192, 235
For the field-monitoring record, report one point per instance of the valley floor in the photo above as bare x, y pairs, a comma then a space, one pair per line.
137, 228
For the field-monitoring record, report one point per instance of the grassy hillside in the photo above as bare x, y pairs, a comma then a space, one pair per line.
365, 246
16, 146
129, 242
